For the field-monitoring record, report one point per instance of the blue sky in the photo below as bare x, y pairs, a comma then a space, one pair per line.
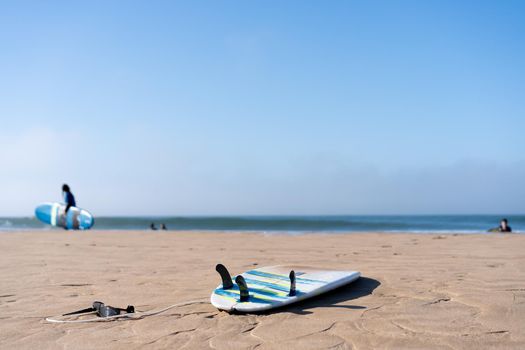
263, 107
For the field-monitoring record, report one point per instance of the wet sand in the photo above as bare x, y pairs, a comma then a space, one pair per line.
417, 291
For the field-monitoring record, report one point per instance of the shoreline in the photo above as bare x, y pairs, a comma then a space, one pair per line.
417, 290
337, 224
266, 232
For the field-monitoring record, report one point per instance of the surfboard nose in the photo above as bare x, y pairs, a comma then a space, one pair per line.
43, 213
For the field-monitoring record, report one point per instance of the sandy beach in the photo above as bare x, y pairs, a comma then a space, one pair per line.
416, 292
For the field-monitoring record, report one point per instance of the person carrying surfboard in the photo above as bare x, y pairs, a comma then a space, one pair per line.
69, 199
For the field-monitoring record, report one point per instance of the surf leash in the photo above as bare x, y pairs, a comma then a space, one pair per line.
107, 313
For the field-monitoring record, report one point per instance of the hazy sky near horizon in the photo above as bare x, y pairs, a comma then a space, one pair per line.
263, 107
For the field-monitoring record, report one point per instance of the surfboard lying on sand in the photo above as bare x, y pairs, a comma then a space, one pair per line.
271, 287
53, 214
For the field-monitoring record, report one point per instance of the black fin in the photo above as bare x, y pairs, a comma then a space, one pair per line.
292, 283
225, 275
243, 288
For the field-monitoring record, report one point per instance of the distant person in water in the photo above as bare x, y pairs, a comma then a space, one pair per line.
163, 227
152, 226
504, 226
69, 199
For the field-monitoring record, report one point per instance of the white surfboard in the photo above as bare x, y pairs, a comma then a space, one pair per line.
54, 214
269, 287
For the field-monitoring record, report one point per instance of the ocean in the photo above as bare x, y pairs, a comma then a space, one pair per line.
292, 224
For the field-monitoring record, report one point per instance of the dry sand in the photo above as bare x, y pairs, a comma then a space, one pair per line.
417, 291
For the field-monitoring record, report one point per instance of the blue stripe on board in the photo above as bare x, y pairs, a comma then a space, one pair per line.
282, 278
69, 219
273, 286
252, 298
251, 282
258, 291
252, 289
266, 284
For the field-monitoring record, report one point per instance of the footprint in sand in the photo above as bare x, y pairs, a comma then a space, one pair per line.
495, 265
